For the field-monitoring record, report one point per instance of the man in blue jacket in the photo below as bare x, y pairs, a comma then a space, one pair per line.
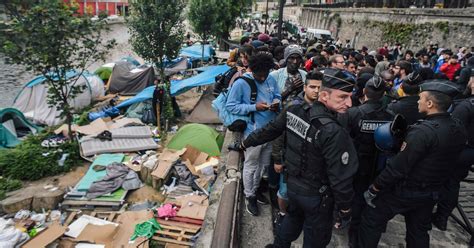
263, 111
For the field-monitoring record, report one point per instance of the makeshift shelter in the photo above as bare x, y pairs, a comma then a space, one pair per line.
194, 52
126, 79
200, 136
202, 112
13, 127
206, 77
105, 71
33, 98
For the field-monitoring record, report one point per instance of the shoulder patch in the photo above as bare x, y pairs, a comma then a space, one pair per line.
404, 145
345, 158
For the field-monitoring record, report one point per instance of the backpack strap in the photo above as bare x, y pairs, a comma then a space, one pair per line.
253, 89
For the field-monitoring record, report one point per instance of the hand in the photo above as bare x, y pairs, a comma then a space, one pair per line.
274, 106
237, 146
297, 84
262, 106
278, 168
343, 219
370, 195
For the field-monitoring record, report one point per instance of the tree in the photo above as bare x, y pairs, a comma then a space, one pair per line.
229, 11
52, 39
157, 30
203, 16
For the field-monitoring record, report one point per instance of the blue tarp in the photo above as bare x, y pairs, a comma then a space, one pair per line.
204, 78
195, 52
145, 94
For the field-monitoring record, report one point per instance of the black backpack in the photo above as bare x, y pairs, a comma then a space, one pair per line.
223, 80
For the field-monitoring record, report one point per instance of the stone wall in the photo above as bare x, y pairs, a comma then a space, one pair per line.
372, 27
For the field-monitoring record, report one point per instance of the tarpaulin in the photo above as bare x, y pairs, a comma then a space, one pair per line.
204, 78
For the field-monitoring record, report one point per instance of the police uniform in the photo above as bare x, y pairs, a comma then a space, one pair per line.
362, 121
412, 180
464, 111
320, 162
408, 107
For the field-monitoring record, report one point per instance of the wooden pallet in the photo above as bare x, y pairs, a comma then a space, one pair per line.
175, 235
91, 205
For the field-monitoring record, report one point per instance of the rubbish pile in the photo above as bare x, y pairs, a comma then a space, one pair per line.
95, 211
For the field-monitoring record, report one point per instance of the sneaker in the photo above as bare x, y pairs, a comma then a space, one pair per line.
261, 199
440, 222
251, 205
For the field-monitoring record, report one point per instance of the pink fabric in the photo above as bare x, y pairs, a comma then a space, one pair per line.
166, 210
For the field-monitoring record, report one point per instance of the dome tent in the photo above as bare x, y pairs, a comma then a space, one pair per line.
13, 127
199, 136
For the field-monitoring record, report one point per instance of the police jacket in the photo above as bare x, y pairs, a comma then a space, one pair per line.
361, 123
464, 111
408, 107
426, 156
318, 151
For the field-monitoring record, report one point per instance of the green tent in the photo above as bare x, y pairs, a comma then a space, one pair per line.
13, 127
104, 72
200, 136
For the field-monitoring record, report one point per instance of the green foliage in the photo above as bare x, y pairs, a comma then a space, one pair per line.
156, 29
51, 38
397, 32
31, 161
443, 27
227, 13
7, 185
202, 16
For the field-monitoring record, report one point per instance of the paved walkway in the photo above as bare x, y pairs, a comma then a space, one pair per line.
257, 231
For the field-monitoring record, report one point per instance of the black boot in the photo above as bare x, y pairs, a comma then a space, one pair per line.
251, 205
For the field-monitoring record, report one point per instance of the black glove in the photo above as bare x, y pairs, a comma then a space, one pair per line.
369, 196
343, 219
237, 146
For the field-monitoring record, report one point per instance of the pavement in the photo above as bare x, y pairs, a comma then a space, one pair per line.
256, 231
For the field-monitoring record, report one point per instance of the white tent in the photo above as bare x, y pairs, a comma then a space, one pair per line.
33, 102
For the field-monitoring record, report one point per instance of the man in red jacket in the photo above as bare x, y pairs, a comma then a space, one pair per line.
450, 68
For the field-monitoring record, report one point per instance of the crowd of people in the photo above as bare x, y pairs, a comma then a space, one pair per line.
352, 137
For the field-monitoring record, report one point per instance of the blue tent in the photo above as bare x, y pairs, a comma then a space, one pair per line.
203, 78
194, 52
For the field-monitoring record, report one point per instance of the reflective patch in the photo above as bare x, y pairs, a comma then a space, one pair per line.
297, 125
345, 158
369, 126
404, 145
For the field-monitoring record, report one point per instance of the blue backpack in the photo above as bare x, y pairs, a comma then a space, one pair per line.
235, 123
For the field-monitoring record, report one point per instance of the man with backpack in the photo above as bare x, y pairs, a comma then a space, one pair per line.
255, 94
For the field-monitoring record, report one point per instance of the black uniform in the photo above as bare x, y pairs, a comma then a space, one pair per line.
362, 121
464, 111
408, 107
412, 180
320, 162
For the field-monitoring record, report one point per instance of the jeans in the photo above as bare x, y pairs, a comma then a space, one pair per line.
255, 159
305, 213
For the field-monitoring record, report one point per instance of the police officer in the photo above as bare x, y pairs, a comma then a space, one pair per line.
320, 160
412, 180
464, 111
407, 105
361, 121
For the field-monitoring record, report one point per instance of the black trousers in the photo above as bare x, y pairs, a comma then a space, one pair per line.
416, 207
450, 193
306, 213
361, 184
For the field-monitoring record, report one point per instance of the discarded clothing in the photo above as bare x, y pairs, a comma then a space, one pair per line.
146, 229
132, 181
185, 176
166, 211
117, 174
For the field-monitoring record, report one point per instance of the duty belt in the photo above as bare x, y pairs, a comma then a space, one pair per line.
301, 188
